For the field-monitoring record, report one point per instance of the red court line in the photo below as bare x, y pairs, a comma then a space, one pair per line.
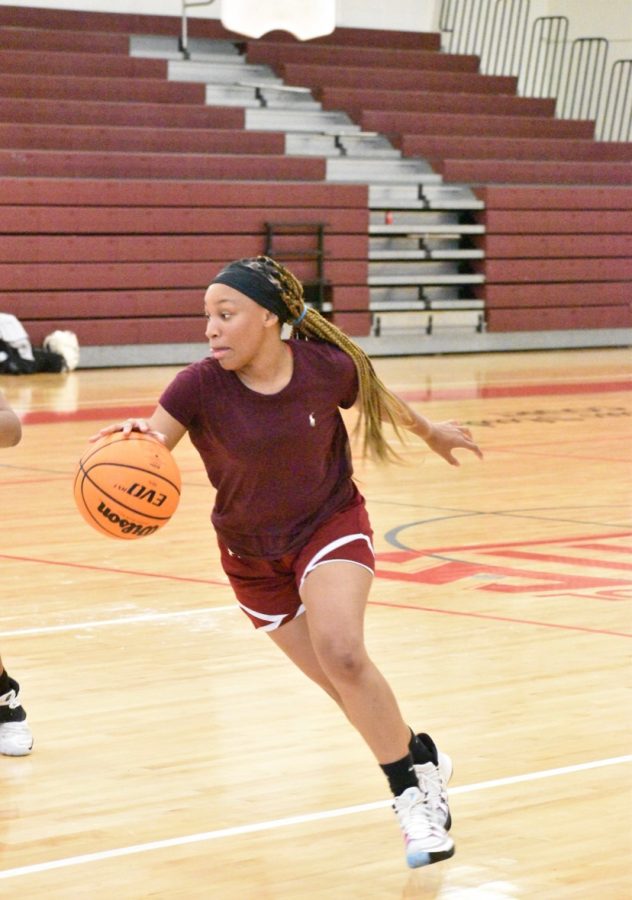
527, 451
602, 548
485, 392
491, 546
454, 570
444, 612
71, 565
86, 414
476, 615
533, 541
564, 560
112, 413
567, 442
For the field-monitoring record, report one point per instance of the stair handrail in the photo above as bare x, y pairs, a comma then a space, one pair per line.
463, 38
582, 92
183, 43
612, 123
496, 33
491, 29
503, 51
542, 72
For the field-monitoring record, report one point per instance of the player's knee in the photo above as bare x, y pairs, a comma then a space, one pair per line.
344, 661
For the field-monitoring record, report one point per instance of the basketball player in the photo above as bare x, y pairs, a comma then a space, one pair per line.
292, 527
15, 735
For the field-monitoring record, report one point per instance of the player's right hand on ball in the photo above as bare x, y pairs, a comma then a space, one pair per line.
127, 427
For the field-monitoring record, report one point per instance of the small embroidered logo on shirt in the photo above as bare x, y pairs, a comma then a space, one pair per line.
312, 420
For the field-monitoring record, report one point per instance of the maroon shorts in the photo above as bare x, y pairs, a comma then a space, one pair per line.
267, 590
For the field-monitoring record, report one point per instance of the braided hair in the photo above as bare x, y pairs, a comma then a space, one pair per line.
376, 402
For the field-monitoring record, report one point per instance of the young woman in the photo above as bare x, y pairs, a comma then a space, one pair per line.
293, 531
15, 735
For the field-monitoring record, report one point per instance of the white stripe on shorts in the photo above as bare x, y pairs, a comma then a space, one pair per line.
275, 621
339, 542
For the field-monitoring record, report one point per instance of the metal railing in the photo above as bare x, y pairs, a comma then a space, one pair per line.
504, 50
464, 25
493, 31
496, 31
542, 73
581, 95
183, 43
615, 122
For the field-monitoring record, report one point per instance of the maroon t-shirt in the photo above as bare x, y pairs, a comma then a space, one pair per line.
281, 463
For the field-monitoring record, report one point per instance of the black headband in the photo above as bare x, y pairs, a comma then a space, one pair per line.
247, 280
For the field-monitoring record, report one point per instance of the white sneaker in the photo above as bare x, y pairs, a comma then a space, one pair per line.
433, 782
425, 838
15, 738
15, 735
433, 778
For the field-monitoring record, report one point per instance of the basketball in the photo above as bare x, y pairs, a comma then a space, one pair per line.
127, 486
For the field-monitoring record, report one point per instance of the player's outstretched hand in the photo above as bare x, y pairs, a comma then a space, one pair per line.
127, 427
448, 436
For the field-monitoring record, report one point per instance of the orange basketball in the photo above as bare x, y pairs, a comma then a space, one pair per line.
127, 486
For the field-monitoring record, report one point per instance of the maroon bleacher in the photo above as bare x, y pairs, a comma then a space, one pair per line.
558, 216
420, 102
81, 22
388, 78
532, 148
517, 171
95, 65
123, 193
268, 52
142, 139
23, 38
400, 125
48, 110
127, 261
212, 166
81, 87
557, 257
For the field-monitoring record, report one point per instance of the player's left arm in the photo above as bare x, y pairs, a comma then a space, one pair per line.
441, 437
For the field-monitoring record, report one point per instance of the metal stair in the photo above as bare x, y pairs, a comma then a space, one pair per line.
419, 278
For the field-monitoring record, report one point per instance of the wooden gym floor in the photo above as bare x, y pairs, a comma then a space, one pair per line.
179, 755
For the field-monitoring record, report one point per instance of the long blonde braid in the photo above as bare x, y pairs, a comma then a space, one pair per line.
377, 403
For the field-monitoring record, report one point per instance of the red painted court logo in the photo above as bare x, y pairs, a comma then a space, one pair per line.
596, 566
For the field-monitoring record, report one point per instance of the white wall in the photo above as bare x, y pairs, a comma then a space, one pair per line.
611, 19
407, 15
159, 7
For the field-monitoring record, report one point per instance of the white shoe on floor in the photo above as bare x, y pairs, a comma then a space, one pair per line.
425, 839
433, 781
15, 735
15, 738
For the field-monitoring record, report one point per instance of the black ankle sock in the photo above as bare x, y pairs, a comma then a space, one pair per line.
6, 714
400, 774
422, 749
